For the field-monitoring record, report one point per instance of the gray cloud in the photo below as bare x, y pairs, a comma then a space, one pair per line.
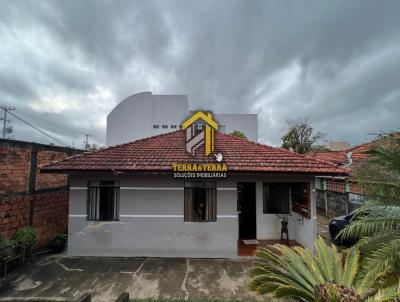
69, 62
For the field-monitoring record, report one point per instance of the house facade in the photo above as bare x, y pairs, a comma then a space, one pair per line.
152, 197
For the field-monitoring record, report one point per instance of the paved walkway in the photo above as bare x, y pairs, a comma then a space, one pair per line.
323, 226
106, 278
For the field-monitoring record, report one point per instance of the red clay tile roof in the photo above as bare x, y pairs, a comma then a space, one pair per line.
340, 157
158, 153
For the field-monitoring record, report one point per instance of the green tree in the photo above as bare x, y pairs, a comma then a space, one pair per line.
238, 134
324, 276
300, 136
377, 222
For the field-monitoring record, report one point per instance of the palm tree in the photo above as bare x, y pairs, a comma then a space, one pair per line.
324, 276
377, 222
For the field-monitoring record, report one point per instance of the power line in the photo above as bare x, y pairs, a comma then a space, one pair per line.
38, 129
74, 131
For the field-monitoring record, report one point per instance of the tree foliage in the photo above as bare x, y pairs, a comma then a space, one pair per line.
300, 136
238, 134
377, 222
324, 276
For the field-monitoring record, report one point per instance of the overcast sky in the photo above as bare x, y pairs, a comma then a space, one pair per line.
65, 64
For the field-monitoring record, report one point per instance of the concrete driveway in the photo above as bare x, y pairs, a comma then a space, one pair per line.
106, 278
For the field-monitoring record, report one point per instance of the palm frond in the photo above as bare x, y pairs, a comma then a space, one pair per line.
389, 293
351, 266
370, 225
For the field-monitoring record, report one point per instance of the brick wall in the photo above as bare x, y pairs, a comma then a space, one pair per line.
336, 185
49, 217
28, 197
44, 180
15, 163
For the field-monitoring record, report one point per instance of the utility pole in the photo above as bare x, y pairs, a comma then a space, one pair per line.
87, 141
6, 129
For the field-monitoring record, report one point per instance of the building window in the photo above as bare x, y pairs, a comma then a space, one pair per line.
276, 198
300, 197
156, 126
103, 200
200, 201
165, 126
222, 128
174, 126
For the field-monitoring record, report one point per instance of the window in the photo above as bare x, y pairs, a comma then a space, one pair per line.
276, 198
156, 126
200, 201
165, 126
222, 128
103, 200
174, 126
300, 197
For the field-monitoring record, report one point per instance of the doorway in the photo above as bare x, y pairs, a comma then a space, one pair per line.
246, 205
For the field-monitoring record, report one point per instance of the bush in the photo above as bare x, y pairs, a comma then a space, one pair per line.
26, 237
58, 242
7, 243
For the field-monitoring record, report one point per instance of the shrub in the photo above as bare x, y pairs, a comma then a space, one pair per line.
58, 242
6, 243
26, 237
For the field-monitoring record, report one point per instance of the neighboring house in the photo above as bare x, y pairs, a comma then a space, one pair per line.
145, 114
158, 197
338, 146
339, 196
28, 197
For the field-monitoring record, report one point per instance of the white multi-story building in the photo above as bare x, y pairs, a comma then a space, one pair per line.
145, 114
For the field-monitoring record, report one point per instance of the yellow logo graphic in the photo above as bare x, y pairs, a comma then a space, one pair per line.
206, 136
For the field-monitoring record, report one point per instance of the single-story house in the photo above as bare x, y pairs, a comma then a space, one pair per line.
151, 197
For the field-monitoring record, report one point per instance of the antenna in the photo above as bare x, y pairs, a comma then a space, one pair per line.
7, 129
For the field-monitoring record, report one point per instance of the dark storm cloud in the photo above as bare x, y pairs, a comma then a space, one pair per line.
336, 62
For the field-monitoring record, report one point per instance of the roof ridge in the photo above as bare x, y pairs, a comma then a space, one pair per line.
280, 148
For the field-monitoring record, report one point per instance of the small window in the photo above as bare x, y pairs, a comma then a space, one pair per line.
200, 201
276, 198
103, 201
174, 126
222, 128
156, 126
165, 126
199, 126
300, 197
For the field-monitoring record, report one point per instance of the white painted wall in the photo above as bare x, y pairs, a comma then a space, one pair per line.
134, 118
301, 229
246, 123
152, 224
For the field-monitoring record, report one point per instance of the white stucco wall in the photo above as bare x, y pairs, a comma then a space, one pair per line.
134, 118
246, 123
151, 219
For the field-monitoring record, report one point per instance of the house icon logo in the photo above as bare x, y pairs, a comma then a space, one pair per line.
194, 139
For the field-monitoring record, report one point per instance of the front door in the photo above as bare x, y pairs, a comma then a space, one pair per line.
246, 203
